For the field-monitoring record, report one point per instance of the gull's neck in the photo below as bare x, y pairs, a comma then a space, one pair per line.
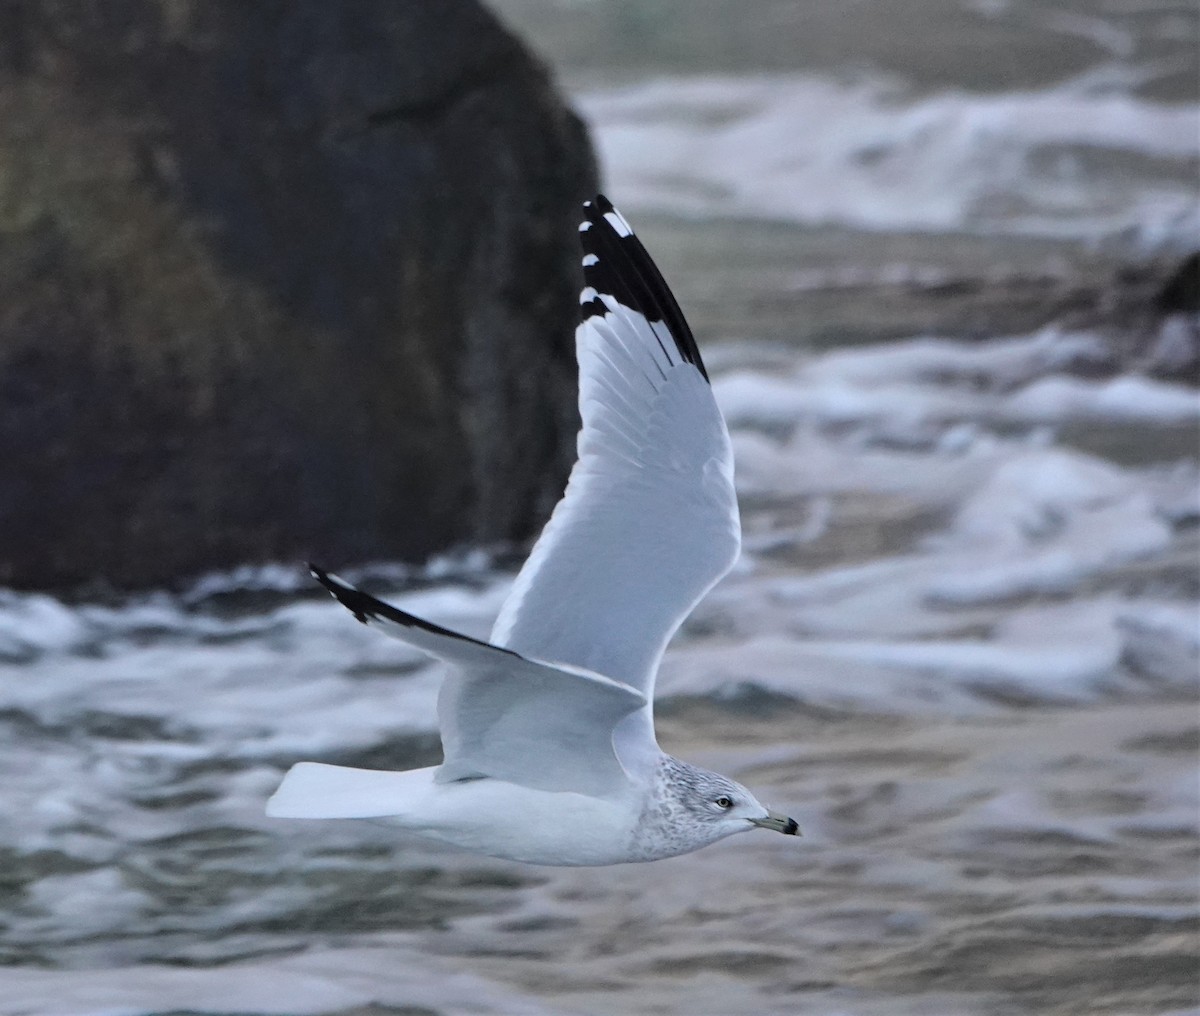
668, 825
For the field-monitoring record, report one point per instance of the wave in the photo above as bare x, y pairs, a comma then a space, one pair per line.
1082, 159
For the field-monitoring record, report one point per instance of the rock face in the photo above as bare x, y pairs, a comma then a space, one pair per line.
277, 279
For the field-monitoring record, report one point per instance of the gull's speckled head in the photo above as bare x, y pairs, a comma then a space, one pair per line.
693, 807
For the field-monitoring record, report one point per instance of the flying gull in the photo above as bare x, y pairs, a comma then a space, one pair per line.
547, 728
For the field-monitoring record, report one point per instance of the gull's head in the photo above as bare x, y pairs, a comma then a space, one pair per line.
694, 807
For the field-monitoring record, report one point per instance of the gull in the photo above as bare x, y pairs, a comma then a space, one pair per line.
547, 728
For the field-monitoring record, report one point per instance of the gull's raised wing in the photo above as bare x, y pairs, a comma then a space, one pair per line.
506, 716
649, 520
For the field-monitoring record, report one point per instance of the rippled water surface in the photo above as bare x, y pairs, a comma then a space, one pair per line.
961, 646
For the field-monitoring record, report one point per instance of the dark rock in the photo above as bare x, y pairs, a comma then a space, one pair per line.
1146, 314
1171, 349
277, 280
1180, 294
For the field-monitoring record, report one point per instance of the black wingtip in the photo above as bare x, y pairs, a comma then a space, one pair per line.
355, 601
367, 608
617, 265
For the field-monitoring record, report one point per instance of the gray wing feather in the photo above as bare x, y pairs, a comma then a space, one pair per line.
649, 521
508, 717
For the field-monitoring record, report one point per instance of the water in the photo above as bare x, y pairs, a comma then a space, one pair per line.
874, 156
961, 646
994, 116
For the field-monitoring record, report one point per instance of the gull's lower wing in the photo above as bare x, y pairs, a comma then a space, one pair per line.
649, 521
506, 716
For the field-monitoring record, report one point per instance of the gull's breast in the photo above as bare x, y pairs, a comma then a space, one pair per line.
520, 824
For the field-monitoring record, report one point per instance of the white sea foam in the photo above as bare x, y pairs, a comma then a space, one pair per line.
870, 155
1122, 398
385, 972
908, 385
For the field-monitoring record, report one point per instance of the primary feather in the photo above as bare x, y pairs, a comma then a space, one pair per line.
653, 483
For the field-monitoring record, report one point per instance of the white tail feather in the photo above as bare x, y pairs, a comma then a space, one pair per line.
315, 790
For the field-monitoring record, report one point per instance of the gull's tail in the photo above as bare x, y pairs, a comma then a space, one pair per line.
316, 790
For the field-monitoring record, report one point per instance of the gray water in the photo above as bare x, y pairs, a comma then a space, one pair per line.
961, 646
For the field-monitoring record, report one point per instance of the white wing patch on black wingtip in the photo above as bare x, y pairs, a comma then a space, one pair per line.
617, 221
617, 269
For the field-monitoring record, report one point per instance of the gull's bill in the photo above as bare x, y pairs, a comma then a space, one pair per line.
547, 730
779, 823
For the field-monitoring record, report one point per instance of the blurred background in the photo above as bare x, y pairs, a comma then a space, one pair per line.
293, 280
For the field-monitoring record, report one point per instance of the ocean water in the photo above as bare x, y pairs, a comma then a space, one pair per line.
961, 646
981, 116
1082, 158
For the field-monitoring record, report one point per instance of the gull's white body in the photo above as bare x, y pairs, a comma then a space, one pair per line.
548, 730
470, 814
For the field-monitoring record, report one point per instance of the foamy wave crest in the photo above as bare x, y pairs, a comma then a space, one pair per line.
1073, 160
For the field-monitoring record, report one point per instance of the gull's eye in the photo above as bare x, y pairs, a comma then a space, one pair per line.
723, 802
